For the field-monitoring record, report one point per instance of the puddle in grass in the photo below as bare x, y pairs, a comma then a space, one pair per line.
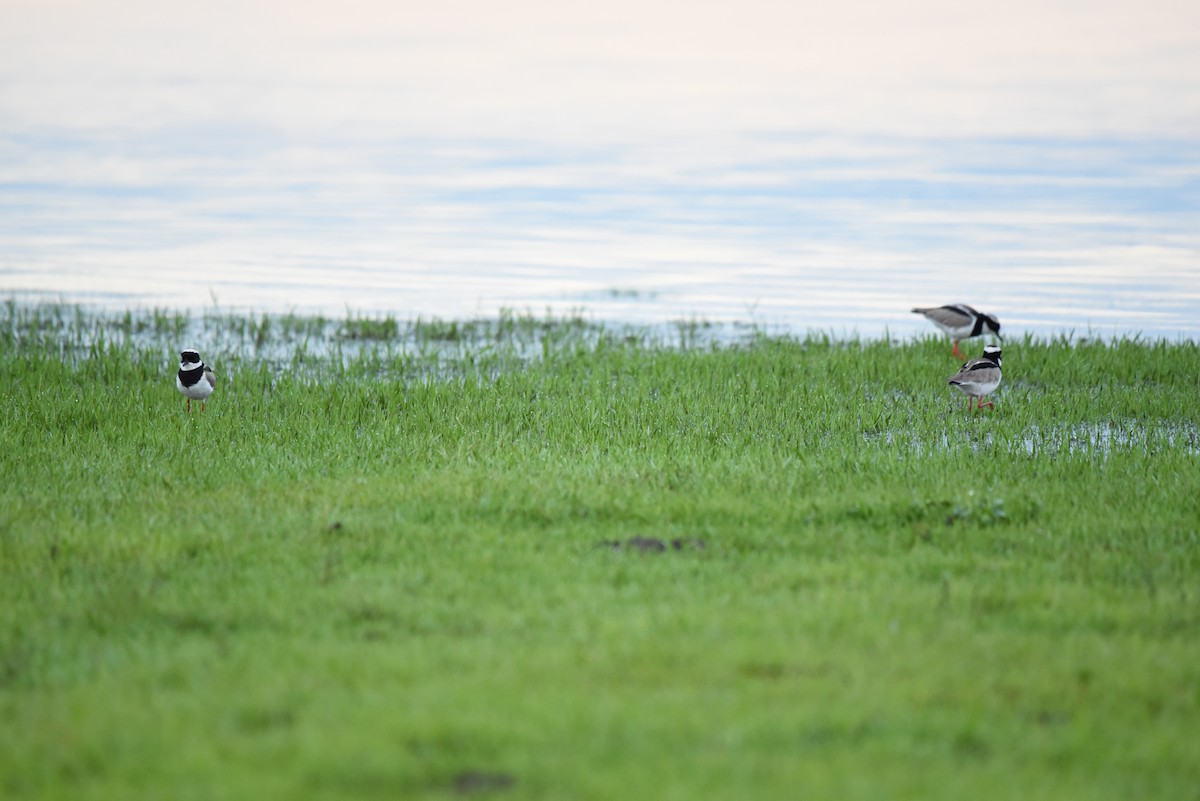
1102, 438
1108, 437
274, 337
318, 345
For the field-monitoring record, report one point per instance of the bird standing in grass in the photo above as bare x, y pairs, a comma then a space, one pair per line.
960, 321
194, 379
979, 377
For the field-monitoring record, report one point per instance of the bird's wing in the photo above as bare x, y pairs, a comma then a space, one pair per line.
976, 371
954, 316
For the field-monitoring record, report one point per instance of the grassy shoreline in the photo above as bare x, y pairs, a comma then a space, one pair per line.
389, 570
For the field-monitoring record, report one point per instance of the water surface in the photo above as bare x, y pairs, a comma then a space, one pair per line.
791, 167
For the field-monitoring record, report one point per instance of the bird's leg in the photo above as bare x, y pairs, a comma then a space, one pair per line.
201, 407
989, 404
957, 352
189, 400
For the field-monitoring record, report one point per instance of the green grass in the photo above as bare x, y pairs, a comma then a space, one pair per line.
389, 572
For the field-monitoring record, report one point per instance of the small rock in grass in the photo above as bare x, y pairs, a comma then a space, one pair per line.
652, 544
478, 781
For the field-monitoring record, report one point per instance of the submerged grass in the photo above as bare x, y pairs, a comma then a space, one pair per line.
552, 561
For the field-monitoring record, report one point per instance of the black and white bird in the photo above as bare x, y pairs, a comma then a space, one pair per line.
979, 377
960, 321
195, 379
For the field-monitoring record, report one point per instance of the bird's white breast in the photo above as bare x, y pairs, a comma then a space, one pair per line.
198, 391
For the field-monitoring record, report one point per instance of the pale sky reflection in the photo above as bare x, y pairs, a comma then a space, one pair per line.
935, 67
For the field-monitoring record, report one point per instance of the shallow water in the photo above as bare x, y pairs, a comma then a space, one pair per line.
1090, 438
427, 163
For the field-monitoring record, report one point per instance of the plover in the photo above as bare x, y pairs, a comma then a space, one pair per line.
960, 321
979, 377
195, 379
